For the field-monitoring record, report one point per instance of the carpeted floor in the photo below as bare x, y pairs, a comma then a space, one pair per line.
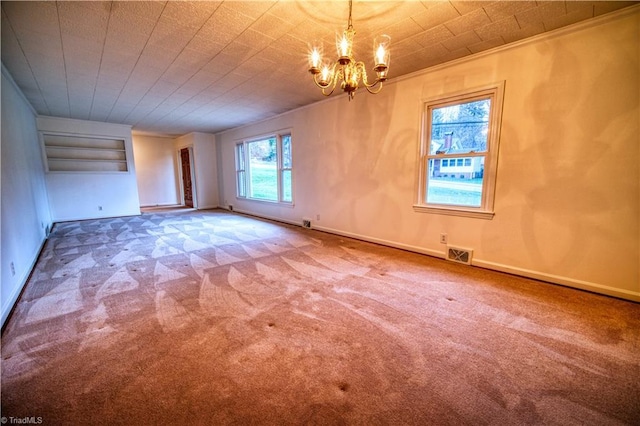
209, 317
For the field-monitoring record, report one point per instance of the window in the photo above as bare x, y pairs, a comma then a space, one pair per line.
460, 134
264, 168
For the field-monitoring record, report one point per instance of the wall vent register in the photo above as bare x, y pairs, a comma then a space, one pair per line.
71, 153
459, 255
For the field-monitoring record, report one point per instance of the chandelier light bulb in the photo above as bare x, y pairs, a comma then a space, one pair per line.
315, 58
382, 53
326, 75
343, 46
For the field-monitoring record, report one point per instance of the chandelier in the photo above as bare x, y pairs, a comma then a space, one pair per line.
346, 69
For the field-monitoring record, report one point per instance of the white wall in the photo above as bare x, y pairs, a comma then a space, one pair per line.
156, 170
567, 205
78, 195
205, 167
25, 211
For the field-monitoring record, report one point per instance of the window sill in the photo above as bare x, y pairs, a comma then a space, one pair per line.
271, 202
454, 211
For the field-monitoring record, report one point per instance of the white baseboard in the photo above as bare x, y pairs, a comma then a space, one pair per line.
108, 216
145, 206
555, 279
263, 216
208, 207
381, 241
15, 294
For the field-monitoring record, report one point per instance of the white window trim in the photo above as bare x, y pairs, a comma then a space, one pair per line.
485, 211
241, 169
280, 167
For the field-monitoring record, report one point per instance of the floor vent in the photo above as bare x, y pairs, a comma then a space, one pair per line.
306, 223
460, 255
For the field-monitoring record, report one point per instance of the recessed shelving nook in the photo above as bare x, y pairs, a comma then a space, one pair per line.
75, 153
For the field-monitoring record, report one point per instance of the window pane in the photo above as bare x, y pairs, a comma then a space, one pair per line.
286, 151
286, 186
240, 157
242, 189
460, 128
460, 186
263, 171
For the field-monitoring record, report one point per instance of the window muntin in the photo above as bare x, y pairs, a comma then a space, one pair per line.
264, 168
458, 154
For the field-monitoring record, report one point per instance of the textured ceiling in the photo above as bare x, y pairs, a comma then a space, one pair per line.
176, 67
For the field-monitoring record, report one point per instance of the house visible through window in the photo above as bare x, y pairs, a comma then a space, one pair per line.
264, 168
459, 152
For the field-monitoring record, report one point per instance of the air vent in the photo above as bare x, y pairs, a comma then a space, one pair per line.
306, 223
460, 255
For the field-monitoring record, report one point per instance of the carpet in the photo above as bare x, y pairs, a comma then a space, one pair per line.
212, 317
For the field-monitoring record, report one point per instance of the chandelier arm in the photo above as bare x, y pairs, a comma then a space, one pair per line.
332, 84
370, 87
315, 80
330, 92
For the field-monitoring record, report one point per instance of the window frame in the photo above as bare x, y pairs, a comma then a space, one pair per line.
243, 167
241, 170
495, 92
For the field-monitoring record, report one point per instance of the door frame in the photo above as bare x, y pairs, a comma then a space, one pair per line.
193, 175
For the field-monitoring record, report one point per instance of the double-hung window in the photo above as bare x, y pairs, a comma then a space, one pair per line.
459, 152
264, 168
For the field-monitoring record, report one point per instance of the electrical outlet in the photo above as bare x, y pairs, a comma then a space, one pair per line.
13, 269
100, 208
443, 238
317, 217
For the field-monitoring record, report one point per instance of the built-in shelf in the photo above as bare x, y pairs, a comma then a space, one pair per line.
71, 153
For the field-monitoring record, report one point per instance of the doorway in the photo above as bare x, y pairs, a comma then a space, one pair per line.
187, 181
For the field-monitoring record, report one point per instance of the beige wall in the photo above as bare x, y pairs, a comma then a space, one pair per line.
205, 167
157, 171
567, 204
87, 195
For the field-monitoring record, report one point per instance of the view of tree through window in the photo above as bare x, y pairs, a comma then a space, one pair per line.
264, 168
459, 131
